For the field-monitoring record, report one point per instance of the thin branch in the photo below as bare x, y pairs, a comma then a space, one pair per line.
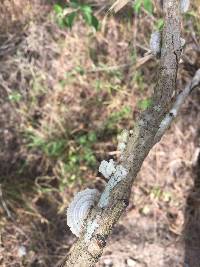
86, 253
166, 122
137, 65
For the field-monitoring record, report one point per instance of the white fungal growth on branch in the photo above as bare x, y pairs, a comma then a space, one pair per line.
155, 43
122, 140
84, 200
119, 174
107, 168
166, 122
91, 227
182, 42
79, 208
184, 5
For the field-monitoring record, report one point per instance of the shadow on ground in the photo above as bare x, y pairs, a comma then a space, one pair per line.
192, 222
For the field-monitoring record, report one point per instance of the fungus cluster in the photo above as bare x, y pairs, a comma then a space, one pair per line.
84, 200
79, 208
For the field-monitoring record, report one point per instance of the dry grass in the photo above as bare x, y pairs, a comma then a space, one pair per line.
14, 13
65, 95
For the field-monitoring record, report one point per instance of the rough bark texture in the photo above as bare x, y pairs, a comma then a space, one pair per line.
86, 254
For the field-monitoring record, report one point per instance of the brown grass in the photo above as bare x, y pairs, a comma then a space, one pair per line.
13, 14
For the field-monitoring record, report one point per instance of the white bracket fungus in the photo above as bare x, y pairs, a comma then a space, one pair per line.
84, 200
79, 208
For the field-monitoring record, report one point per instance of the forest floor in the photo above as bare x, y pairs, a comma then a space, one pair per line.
65, 95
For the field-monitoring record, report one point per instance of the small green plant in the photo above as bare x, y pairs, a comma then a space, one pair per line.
159, 194
159, 24
156, 192
80, 155
66, 15
15, 96
52, 148
72, 159
116, 117
147, 4
86, 142
80, 70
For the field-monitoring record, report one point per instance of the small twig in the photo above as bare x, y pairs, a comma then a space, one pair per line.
138, 64
109, 68
166, 122
4, 204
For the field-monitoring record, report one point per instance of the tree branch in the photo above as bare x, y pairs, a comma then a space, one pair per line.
86, 252
166, 122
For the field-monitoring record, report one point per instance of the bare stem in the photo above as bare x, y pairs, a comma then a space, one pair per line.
166, 122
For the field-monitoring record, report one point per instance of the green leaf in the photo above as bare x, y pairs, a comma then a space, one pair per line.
74, 1
159, 24
89, 157
74, 4
61, 22
87, 14
144, 104
95, 23
89, 18
86, 9
148, 6
80, 70
58, 9
82, 140
69, 19
137, 6
92, 137
15, 96
55, 148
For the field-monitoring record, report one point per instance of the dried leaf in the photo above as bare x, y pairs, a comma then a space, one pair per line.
118, 5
